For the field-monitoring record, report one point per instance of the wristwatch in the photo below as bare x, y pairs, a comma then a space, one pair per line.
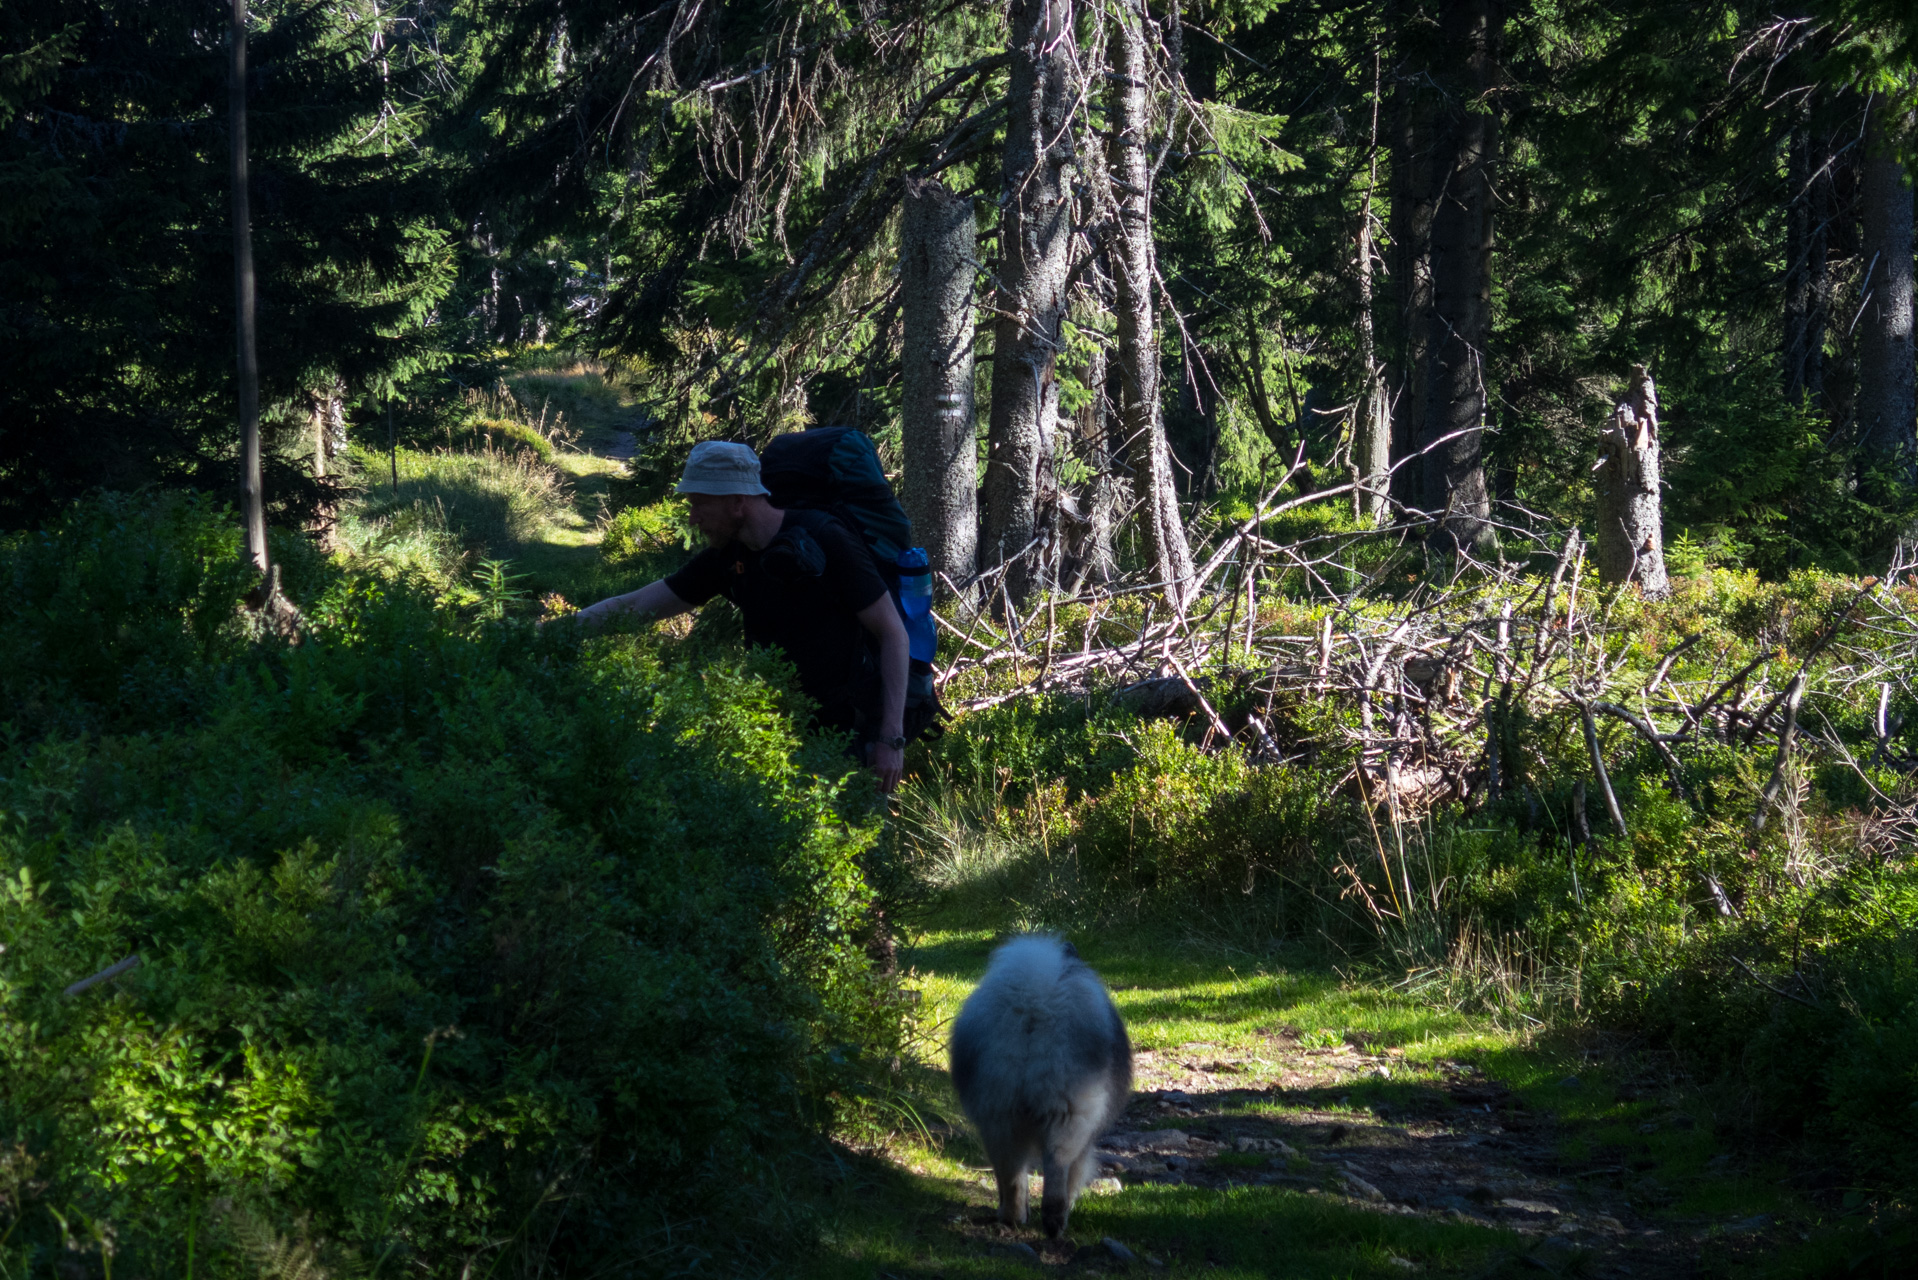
897, 744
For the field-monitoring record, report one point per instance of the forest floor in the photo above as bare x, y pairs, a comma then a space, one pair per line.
1300, 1124
1288, 1120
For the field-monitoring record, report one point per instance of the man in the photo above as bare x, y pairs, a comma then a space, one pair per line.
804, 584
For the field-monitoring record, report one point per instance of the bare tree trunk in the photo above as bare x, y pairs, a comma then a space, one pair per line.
252, 491
1466, 155
1098, 502
1414, 198
1807, 269
1133, 272
1034, 241
316, 427
1631, 538
1887, 406
326, 416
1372, 445
938, 259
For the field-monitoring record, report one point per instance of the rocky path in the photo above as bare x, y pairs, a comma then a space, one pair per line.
1457, 1145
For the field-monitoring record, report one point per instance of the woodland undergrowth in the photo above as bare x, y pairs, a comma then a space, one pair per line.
433, 943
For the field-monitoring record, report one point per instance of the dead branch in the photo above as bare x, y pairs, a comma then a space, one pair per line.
1648, 732
1794, 694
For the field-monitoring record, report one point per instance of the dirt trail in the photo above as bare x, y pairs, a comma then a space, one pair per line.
1463, 1147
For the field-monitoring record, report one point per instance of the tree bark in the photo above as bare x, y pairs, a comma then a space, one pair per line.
1887, 407
938, 259
1133, 275
252, 491
1631, 538
1372, 443
1465, 157
1100, 499
1807, 269
327, 418
1034, 242
1414, 198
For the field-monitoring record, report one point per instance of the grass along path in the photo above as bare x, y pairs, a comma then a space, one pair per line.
565, 559
453, 509
1291, 1124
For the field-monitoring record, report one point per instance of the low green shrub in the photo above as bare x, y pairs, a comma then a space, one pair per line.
464, 946
636, 533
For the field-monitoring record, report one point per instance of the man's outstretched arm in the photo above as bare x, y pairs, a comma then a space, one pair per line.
881, 618
653, 601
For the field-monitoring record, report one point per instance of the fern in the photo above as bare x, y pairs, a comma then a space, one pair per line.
278, 1257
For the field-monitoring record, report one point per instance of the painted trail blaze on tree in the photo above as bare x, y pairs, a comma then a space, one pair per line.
937, 260
1631, 540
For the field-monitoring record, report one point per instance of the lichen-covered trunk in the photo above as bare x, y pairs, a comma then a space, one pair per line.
1465, 157
1137, 355
938, 255
1631, 537
1035, 234
1887, 407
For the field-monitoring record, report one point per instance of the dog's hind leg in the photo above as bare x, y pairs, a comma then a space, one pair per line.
1010, 1157
1012, 1193
1082, 1170
1056, 1202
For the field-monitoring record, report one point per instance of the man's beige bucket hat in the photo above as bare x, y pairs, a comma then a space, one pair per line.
721, 467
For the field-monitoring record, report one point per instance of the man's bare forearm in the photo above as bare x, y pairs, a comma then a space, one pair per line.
653, 601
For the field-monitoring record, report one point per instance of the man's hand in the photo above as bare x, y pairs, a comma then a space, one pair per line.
888, 762
653, 601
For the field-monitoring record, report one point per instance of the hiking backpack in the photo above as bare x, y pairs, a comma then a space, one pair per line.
836, 470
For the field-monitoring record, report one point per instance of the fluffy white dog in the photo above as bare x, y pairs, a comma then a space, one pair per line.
1042, 1064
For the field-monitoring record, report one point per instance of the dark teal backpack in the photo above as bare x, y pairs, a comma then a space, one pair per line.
836, 470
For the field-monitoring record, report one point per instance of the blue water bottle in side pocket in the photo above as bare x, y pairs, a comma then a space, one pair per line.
915, 604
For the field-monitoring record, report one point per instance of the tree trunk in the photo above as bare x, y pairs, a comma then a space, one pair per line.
1414, 197
316, 426
1372, 442
252, 491
1099, 500
1138, 346
938, 259
1887, 408
1807, 269
1035, 233
327, 416
1631, 539
1465, 156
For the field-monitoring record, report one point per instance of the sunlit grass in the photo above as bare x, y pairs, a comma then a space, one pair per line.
1172, 994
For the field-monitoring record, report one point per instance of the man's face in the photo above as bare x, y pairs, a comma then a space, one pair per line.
719, 516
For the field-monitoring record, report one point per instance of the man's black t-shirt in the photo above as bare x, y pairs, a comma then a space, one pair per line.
810, 618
